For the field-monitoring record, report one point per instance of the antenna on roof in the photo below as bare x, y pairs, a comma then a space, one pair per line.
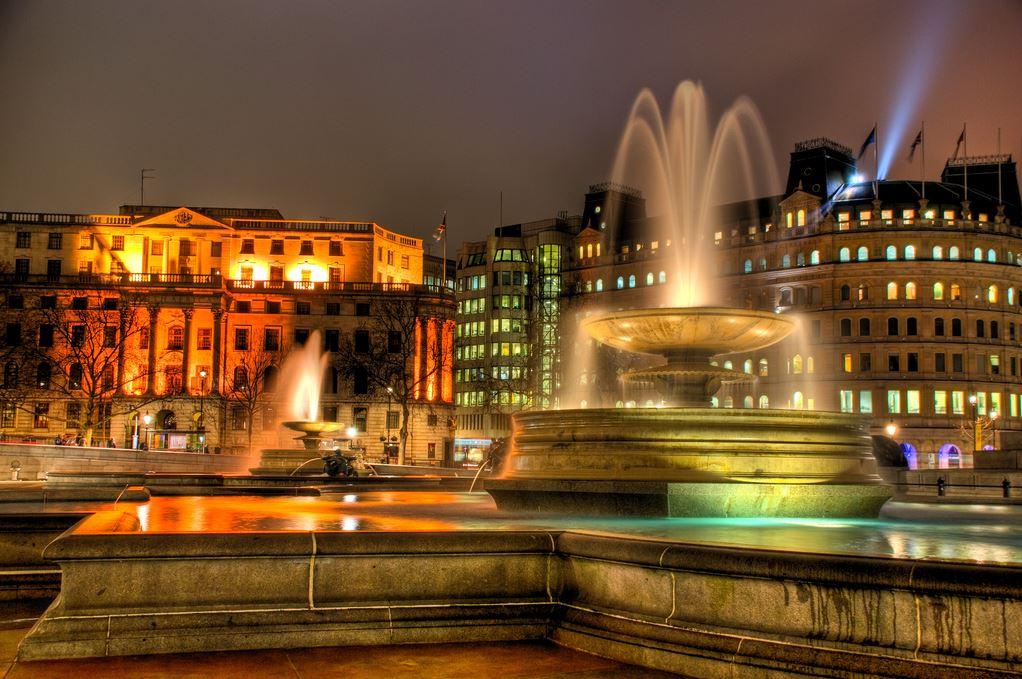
142, 176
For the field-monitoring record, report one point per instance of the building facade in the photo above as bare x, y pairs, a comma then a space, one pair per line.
194, 311
908, 304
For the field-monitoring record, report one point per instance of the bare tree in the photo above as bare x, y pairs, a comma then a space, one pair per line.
251, 383
978, 431
87, 352
405, 348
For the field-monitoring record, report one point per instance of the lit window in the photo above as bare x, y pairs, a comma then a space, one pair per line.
844, 255
992, 294
846, 362
938, 252
892, 290
801, 218
789, 220
938, 291
891, 252
866, 402
663, 277
912, 401
846, 401
893, 401
863, 254
910, 252
814, 257
910, 290
952, 253
940, 402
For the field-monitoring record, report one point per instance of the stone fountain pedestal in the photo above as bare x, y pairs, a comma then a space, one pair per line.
691, 460
285, 461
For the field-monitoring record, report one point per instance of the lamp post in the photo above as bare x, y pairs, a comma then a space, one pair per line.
202, 410
891, 429
977, 430
993, 428
147, 419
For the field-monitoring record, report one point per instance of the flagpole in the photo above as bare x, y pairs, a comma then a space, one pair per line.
922, 142
876, 161
999, 163
965, 160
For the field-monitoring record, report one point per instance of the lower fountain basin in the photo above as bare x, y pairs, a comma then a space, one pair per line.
692, 462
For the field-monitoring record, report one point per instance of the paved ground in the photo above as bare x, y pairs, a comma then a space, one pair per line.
520, 660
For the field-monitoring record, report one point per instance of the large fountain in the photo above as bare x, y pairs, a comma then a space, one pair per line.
690, 459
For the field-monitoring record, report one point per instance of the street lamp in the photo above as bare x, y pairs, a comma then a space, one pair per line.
147, 419
977, 428
993, 427
891, 429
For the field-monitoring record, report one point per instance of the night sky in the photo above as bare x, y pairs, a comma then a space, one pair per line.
395, 111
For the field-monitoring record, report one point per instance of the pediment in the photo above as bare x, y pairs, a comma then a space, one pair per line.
183, 218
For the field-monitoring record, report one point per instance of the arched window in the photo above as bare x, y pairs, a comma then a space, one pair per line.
796, 364
75, 373
762, 264
800, 218
747, 403
938, 252
910, 252
785, 297
650, 279
764, 402
789, 220
176, 338
786, 261
956, 292
589, 250
938, 291
864, 327
270, 378
814, 257
1011, 295
589, 286
846, 293
809, 365
631, 281
952, 253
620, 282
956, 327
240, 378
910, 290
862, 254
797, 401
800, 259
580, 252
764, 368
747, 267
42, 375
599, 285
747, 366
729, 402
10, 374
844, 254
597, 249
991, 256
892, 290
663, 277
863, 292
977, 254
891, 252
892, 327
728, 364
981, 328
995, 330
992, 294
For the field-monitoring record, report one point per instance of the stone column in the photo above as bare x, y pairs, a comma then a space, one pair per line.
218, 321
154, 315
122, 329
186, 352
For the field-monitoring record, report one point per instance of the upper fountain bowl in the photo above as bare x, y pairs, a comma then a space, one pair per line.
311, 427
706, 330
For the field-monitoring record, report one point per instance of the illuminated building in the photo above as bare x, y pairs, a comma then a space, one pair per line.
217, 286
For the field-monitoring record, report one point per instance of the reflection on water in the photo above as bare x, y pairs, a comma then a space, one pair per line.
442, 511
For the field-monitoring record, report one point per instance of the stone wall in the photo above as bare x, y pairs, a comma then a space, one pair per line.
36, 460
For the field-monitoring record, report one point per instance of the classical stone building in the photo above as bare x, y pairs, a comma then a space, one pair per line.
909, 305
198, 308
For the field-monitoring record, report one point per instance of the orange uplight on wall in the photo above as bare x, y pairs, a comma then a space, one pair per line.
417, 367
307, 271
447, 383
431, 359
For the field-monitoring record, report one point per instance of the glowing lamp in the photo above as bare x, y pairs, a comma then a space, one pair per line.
891, 429
351, 432
147, 419
972, 399
858, 178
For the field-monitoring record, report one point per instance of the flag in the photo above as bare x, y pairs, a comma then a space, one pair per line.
958, 144
917, 142
441, 229
871, 139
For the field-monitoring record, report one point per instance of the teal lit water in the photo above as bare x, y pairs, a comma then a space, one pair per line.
987, 536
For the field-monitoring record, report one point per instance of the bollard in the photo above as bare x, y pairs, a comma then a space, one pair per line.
1006, 487
941, 486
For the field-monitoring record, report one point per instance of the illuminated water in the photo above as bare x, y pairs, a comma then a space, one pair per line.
405, 511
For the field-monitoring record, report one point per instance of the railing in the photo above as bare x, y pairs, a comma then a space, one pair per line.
59, 219
111, 280
338, 286
301, 225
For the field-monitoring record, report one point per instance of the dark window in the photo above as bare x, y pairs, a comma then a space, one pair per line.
240, 378
303, 308
110, 303
42, 375
431, 450
394, 342
332, 340
329, 413
865, 362
15, 302
204, 339
980, 328
913, 362
892, 327
79, 303
335, 248
21, 269
816, 327
184, 248
243, 307
306, 248
956, 327
894, 363
1011, 332
269, 418
362, 341
55, 241
276, 273
216, 249
360, 381
77, 335
911, 326
863, 327
333, 309
360, 415
361, 308
270, 378
248, 246
241, 338
276, 247
107, 378
24, 240
239, 418
46, 335
117, 243
13, 335
846, 293
10, 375
940, 363
110, 336
48, 302
53, 269
957, 363
176, 338
995, 331
938, 327
156, 248
301, 336
846, 327
272, 307
271, 339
